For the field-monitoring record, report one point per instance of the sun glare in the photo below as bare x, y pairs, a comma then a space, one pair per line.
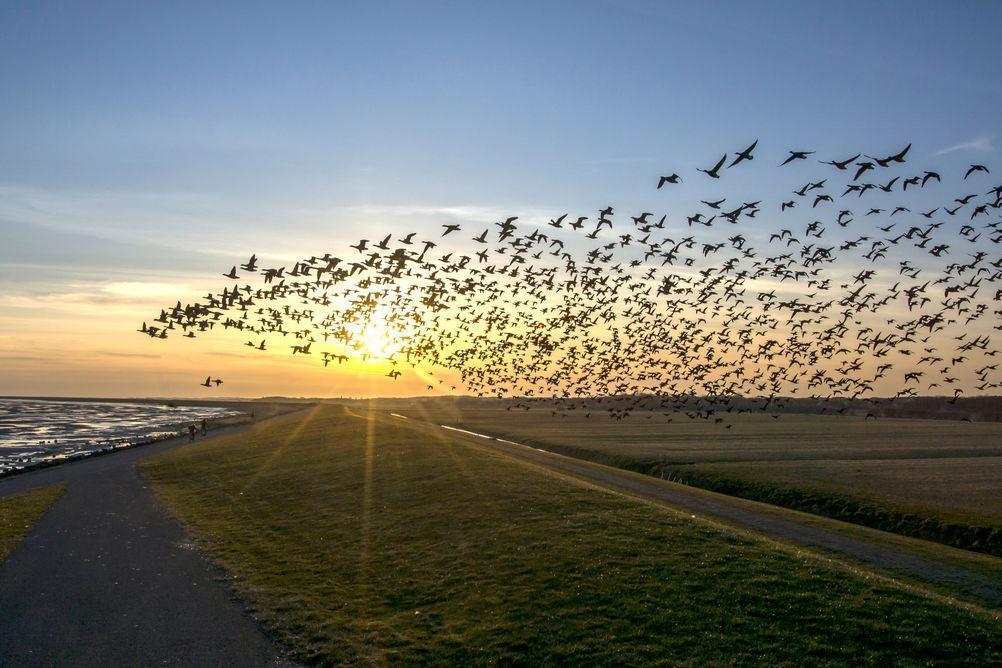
378, 340
377, 336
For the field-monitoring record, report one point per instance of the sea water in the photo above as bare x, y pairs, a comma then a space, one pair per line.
34, 431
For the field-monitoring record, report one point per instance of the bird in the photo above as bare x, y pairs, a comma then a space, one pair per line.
716, 168
897, 157
796, 155
744, 155
861, 168
841, 164
640, 312
975, 168
250, 265
673, 179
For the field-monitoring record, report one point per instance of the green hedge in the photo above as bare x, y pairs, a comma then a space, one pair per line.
985, 539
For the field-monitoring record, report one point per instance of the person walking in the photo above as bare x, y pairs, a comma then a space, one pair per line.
205, 426
191, 431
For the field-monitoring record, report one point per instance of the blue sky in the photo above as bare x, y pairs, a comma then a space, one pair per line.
156, 137
388, 103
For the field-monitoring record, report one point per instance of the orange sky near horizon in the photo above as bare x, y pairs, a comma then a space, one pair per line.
85, 344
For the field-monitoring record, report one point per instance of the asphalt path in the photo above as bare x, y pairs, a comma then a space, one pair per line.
106, 578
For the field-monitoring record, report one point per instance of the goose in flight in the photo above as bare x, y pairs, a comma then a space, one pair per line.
713, 173
796, 155
976, 168
673, 179
744, 155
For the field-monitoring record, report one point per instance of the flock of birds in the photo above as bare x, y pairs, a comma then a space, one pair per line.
868, 276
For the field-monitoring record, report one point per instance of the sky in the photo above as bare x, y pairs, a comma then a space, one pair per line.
147, 147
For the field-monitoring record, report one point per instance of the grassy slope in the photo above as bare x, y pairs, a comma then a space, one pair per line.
932, 479
364, 541
20, 512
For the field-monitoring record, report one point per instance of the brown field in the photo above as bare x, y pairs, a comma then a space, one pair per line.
959, 489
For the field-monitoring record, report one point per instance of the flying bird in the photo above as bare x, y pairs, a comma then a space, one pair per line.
673, 179
796, 155
975, 168
716, 168
744, 155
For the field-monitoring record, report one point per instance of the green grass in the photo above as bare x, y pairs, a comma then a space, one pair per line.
934, 479
20, 512
363, 541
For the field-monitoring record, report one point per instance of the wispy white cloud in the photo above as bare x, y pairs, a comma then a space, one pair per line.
84, 297
983, 144
171, 221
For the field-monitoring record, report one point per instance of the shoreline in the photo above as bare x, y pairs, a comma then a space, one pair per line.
221, 423
249, 412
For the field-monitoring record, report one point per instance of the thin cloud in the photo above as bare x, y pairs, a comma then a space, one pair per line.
978, 145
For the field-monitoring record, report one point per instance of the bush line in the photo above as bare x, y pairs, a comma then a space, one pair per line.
984, 539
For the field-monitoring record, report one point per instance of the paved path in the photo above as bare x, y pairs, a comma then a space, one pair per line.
778, 523
107, 579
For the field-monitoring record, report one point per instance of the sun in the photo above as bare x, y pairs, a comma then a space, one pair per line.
379, 340
378, 336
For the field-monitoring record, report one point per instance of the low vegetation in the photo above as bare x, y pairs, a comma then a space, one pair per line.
934, 479
845, 495
360, 540
20, 512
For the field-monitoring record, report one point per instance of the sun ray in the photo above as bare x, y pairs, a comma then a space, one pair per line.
277, 452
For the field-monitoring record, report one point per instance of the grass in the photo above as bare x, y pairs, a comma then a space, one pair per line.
361, 541
20, 512
932, 479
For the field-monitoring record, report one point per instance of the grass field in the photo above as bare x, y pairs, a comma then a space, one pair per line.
934, 479
359, 540
20, 512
